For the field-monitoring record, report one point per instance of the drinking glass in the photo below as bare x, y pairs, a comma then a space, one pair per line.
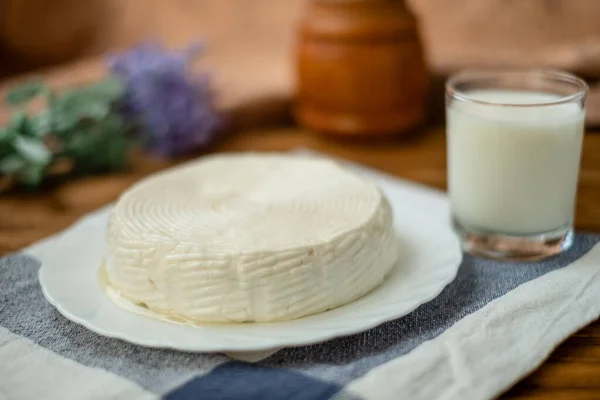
514, 141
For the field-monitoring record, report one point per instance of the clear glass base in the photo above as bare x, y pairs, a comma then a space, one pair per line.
509, 247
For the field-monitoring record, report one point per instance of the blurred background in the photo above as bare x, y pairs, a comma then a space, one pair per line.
351, 66
251, 42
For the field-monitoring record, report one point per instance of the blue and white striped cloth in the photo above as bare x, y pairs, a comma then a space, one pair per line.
493, 325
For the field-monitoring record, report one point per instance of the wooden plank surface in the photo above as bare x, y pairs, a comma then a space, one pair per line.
573, 370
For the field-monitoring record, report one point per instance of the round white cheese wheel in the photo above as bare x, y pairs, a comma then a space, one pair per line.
250, 237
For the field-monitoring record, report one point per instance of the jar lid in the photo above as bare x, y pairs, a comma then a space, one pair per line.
358, 20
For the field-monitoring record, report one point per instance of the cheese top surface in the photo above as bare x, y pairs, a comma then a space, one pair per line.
249, 237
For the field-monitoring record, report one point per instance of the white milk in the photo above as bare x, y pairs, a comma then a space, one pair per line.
513, 169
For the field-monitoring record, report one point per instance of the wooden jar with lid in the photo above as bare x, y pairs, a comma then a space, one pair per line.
360, 68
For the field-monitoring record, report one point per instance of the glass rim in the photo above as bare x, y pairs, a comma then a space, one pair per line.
552, 74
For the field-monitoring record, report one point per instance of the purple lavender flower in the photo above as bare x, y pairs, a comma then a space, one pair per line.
175, 110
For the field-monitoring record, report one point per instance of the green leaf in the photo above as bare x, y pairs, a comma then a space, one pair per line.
32, 175
32, 150
117, 153
113, 124
18, 122
80, 144
82, 120
72, 108
92, 102
99, 147
25, 92
50, 99
39, 125
11, 164
7, 134
115, 143
94, 109
109, 89
62, 123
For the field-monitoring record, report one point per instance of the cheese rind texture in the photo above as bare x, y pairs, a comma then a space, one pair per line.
250, 237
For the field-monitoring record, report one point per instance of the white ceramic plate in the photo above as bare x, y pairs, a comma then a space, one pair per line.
69, 280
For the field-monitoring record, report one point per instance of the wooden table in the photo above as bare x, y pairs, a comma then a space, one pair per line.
573, 370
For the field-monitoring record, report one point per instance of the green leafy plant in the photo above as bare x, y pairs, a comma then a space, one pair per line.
80, 131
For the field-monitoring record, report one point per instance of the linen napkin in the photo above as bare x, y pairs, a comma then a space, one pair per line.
492, 325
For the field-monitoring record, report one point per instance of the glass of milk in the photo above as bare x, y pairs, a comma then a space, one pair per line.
514, 142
